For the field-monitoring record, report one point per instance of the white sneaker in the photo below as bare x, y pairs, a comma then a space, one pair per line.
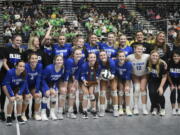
162, 112
135, 111
60, 116
154, 112
121, 111
102, 113
71, 115
24, 118
37, 117
115, 113
174, 111
145, 112
53, 115
128, 112
43, 115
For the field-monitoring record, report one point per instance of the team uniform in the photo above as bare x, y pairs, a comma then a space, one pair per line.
139, 65
174, 75
92, 49
154, 81
128, 50
123, 72
51, 78
34, 77
110, 50
64, 50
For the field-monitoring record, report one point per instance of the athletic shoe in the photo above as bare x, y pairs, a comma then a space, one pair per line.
71, 115
53, 115
101, 113
154, 112
20, 120
2, 116
145, 112
178, 112
174, 111
128, 112
115, 113
8, 121
94, 113
162, 112
135, 111
60, 116
85, 115
121, 111
37, 117
24, 117
43, 115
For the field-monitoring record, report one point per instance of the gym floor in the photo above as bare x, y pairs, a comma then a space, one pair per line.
135, 125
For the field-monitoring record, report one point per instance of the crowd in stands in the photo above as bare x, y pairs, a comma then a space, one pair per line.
32, 20
158, 13
100, 20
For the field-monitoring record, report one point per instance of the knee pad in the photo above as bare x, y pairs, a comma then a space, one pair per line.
53, 99
114, 93
62, 97
136, 87
19, 101
45, 100
143, 93
85, 96
37, 100
121, 93
127, 93
103, 93
72, 96
92, 97
26, 102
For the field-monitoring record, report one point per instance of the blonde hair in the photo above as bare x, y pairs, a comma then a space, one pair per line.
31, 42
159, 62
164, 44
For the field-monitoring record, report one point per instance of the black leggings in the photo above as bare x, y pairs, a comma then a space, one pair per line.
156, 99
173, 99
2, 99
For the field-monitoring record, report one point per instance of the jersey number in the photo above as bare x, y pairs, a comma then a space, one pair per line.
138, 68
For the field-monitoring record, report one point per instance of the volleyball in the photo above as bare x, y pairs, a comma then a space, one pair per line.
105, 74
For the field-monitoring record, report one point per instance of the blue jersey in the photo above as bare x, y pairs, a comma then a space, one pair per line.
92, 49
123, 71
65, 50
110, 50
72, 68
128, 50
110, 67
34, 76
86, 70
14, 83
50, 77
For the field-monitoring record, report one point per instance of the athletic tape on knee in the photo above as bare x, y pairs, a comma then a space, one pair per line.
19, 101
143, 93
121, 93
45, 100
114, 93
127, 93
92, 97
62, 97
72, 96
37, 100
103, 93
86, 97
